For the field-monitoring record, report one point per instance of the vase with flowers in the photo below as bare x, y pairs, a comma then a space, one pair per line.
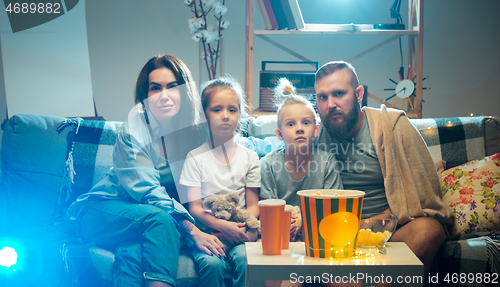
208, 35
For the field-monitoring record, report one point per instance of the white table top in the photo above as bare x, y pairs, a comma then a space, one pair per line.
397, 254
398, 261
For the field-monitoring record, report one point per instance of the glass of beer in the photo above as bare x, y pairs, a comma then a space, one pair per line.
287, 221
271, 223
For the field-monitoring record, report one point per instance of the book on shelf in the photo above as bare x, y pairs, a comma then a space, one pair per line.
263, 14
270, 14
297, 15
338, 27
288, 14
279, 14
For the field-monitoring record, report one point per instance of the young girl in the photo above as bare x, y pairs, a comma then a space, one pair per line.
222, 165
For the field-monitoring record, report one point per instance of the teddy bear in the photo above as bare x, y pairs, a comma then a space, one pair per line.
225, 206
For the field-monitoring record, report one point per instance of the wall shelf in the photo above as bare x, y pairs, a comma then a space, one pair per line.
360, 32
414, 33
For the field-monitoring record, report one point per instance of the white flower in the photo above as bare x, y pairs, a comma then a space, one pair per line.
197, 36
202, 30
193, 29
219, 9
211, 29
191, 25
210, 36
199, 23
224, 25
208, 3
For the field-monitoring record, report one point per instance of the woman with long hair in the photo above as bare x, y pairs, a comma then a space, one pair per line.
137, 209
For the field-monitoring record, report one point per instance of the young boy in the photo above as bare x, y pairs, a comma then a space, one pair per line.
297, 165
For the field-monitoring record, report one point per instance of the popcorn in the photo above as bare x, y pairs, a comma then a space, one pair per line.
366, 237
319, 193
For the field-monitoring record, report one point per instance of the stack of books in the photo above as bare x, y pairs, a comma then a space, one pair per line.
280, 14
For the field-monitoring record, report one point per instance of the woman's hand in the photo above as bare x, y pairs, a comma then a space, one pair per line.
296, 225
208, 243
234, 232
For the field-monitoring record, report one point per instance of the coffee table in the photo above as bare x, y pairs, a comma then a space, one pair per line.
399, 265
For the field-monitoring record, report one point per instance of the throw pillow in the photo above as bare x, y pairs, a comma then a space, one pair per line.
473, 191
33, 154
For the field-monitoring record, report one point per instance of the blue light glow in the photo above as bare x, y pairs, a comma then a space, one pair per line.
8, 257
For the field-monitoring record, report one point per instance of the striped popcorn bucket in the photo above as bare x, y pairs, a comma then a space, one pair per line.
331, 221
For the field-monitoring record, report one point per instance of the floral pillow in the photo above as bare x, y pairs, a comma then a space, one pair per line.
473, 191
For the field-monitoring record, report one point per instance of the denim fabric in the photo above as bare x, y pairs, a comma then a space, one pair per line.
117, 225
128, 257
237, 257
210, 269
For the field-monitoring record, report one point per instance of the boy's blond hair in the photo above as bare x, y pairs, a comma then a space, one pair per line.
285, 95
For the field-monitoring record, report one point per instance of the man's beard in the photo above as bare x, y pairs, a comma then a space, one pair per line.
340, 129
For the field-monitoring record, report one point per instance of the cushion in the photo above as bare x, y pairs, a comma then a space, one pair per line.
88, 265
473, 191
33, 159
454, 140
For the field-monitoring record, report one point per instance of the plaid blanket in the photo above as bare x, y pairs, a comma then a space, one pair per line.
90, 155
476, 253
454, 140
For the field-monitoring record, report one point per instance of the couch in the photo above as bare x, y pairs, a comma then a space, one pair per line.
48, 161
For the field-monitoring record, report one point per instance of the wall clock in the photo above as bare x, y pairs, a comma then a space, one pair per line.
405, 90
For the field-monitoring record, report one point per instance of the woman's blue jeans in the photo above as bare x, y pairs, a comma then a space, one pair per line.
120, 225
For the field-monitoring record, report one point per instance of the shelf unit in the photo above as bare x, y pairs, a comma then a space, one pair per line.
415, 38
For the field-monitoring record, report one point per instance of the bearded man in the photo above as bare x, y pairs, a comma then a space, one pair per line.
381, 153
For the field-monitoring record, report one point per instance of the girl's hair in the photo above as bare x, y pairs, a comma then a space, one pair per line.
189, 104
225, 82
284, 94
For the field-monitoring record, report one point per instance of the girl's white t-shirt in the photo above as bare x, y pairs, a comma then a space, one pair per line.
202, 169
